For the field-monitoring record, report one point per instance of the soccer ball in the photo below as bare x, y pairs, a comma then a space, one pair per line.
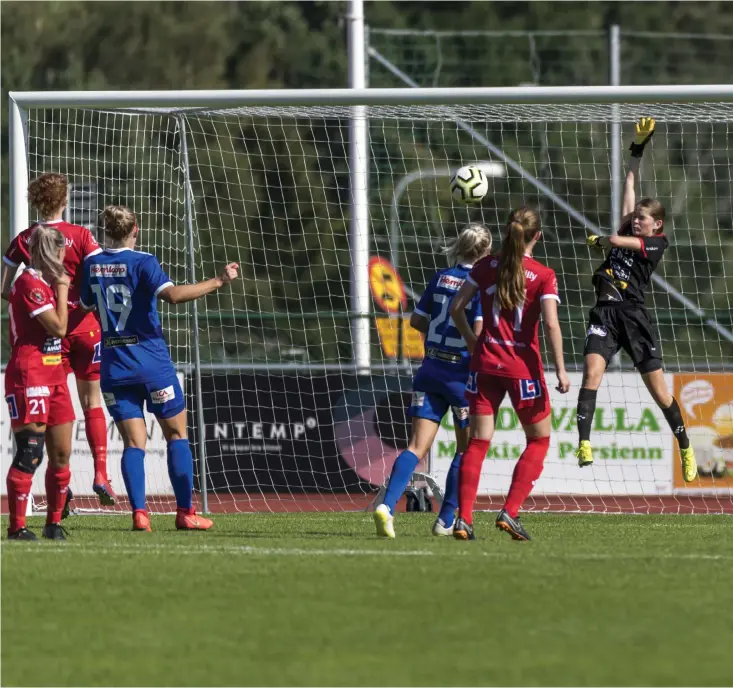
469, 185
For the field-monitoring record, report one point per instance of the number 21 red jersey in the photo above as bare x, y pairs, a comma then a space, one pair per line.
35, 357
508, 345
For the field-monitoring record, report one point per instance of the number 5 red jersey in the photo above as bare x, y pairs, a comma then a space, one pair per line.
508, 345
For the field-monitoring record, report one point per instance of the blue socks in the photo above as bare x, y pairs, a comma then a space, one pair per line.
450, 501
402, 470
180, 471
133, 473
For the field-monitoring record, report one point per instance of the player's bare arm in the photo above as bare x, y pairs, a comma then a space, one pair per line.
644, 131
458, 312
7, 279
183, 293
615, 241
419, 322
56, 321
551, 326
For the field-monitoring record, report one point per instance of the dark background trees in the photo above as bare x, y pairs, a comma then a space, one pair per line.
277, 190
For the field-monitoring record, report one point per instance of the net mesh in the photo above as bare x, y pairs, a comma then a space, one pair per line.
289, 424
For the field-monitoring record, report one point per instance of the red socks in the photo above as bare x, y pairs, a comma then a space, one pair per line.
469, 475
19, 487
528, 469
526, 472
96, 429
57, 485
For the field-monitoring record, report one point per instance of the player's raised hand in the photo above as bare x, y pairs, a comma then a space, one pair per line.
563, 382
229, 273
644, 131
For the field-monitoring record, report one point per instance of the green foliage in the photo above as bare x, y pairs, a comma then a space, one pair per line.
273, 193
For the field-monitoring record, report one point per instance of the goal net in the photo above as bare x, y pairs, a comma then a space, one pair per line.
280, 417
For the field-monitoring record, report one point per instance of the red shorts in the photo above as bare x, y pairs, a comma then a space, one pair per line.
81, 349
529, 397
47, 405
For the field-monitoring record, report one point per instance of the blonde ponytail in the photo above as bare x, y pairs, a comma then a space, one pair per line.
511, 285
45, 244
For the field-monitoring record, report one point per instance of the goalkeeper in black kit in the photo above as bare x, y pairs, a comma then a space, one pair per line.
620, 320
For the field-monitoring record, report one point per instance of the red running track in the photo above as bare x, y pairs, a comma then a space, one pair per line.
226, 503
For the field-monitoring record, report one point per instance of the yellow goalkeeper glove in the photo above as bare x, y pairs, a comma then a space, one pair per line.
644, 131
593, 241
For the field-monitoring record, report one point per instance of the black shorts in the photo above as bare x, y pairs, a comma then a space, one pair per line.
611, 328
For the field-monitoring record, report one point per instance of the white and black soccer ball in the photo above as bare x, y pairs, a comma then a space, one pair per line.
469, 184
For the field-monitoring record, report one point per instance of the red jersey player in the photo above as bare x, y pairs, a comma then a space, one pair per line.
81, 347
515, 291
35, 383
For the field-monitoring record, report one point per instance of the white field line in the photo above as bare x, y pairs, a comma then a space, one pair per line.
147, 548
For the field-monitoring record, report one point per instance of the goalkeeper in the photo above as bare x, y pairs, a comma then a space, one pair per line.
620, 320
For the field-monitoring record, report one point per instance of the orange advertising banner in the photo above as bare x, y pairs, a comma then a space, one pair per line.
707, 400
394, 331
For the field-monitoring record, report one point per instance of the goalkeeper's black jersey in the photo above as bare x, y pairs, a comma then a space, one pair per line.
624, 276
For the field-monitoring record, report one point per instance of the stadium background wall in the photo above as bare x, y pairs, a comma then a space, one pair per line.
334, 433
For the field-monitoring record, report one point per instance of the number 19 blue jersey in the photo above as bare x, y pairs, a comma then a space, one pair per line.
123, 285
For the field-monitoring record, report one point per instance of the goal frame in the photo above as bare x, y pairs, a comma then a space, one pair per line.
185, 101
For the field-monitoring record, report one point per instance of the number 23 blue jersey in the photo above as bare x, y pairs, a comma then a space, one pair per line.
443, 341
123, 285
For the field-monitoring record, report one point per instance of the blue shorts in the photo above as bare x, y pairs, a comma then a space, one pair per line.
163, 398
432, 396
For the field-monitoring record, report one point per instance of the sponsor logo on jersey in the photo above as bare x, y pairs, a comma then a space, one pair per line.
52, 345
37, 392
109, 270
109, 398
161, 396
448, 356
450, 282
531, 276
38, 295
52, 360
111, 342
460, 412
12, 406
596, 330
418, 398
530, 389
69, 242
471, 383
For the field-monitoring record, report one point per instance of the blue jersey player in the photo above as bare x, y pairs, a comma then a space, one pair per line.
440, 383
122, 285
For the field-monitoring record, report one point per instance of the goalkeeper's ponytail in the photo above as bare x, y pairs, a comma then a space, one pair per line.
522, 228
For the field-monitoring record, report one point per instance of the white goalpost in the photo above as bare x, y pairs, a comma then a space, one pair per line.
298, 377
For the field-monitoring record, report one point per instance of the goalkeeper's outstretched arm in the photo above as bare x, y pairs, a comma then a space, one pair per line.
644, 132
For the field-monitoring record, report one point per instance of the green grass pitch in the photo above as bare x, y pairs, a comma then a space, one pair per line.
317, 599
